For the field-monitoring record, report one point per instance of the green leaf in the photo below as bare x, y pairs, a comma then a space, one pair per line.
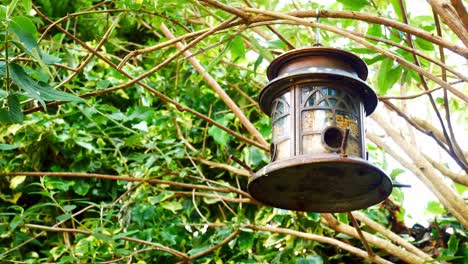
310, 260
11, 7
24, 24
459, 187
261, 50
434, 207
5, 116
17, 220
64, 217
387, 76
172, 206
3, 13
314, 216
87, 146
276, 44
245, 240
375, 30
103, 237
53, 183
396, 172
257, 63
162, 196
9, 146
69, 207
38, 91
81, 188
50, 59
194, 251
16, 115
343, 217
25, 33
27, 5
452, 245
446, 258
354, 4
15, 181
424, 44
220, 136
2, 68
397, 9
125, 234
237, 47
374, 59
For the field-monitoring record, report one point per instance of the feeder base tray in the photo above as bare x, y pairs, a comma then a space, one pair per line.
320, 183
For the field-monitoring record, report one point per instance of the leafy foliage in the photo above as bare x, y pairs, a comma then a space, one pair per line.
132, 178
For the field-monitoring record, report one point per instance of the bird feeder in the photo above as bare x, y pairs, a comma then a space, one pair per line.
317, 99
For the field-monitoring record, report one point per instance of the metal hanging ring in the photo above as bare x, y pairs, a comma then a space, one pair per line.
317, 30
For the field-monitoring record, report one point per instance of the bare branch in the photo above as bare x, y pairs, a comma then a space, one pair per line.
449, 15
156, 246
379, 242
452, 201
220, 91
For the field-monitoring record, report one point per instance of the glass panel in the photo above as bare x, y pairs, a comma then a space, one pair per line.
323, 103
332, 101
306, 91
316, 120
342, 105
280, 106
283, 150
310, 95
353, 148
312, 144
345, 119
281, 128
278, 109
351, 104
330, 91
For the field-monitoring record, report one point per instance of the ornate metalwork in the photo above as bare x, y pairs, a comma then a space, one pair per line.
317, 99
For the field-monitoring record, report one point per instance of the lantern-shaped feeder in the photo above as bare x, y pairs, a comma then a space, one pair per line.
317, 99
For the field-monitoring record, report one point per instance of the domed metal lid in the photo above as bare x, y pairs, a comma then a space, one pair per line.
321, 65
318, 57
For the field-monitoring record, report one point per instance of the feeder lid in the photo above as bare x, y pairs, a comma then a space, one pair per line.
320, 183
332, 58
323, 65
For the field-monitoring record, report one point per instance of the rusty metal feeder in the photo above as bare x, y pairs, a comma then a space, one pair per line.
317, 99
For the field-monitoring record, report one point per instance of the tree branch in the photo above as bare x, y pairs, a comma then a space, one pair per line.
156, 246
389, 234
388, 54
387, 246
453, 202
115, 178
214, 84
449, 15
411, 166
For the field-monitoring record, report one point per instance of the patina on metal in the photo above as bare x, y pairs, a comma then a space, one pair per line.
317, 99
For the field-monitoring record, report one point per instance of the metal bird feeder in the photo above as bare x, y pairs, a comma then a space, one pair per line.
317, 99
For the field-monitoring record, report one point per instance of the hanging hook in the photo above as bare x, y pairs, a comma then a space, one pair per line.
317, 30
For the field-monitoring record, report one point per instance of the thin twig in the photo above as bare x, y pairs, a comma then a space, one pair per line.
407, 97
163, 97
213, 248
456, 146
359, 40
156, 246
459, 159
115, 178
216, 87
363, 239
